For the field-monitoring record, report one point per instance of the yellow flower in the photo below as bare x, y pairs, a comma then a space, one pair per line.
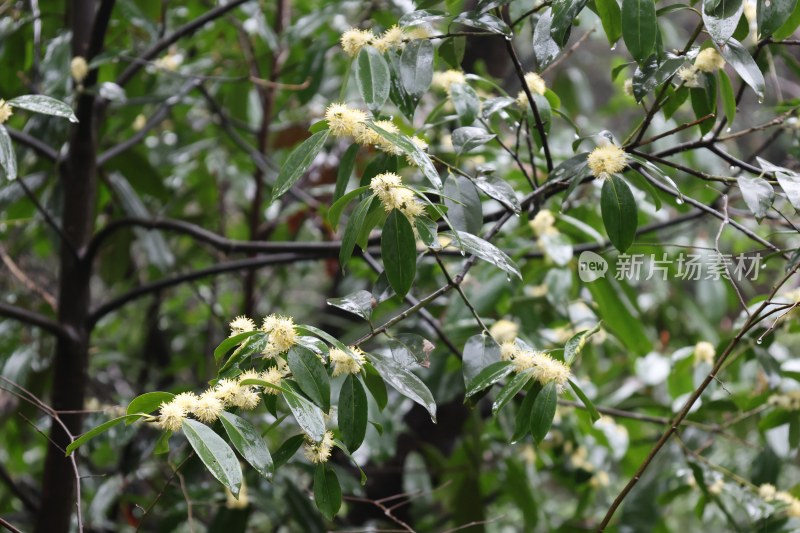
444, 80
79, 69
186, 401
5, 111
608, 159
542, 222
139, 122
767, 492
421, 144
509, 350
169, 62
704, 352
274, 376
547, 369
353, 40
599, 479
393, 195
241, 324
391, 38
690, 77
250, 374
536, 85
319, 452
344, 120
369, 137
628, 87
208, 407
225, 390
418, 32
171, 416
504, 330
717, 486
282, 334
709, 60
343, 363
246, 398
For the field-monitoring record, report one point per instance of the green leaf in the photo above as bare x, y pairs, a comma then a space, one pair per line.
721, 18
308, 416
162, 444
399, 252
352, 413
744, 65
480, 351
758, 195
327, 492
486, 251
639, 27
373, 78
420, 158
510, 390
44, 105
728, 97
298, 162
287, 450
611, 18
247, 440
311, 376
498, 189
576, 343
359, 303
772, 14
791, 186
543, 411
376, 386
619, 212
416, 67
231, 342
405, 383
8, 159
463, 203
452, 51
544, 47
102, 428
466, 102
468, 138
617, 313
585, 400
522, 424
488, 377
789, 26
564, 12
215, 454
148, 402
335, 211
483, 21
354, 225
346, 166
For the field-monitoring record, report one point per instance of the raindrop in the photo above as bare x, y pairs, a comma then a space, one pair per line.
761, 99
728, 130
758, 340
463, 253
614, 46
732, 168
508, 278
679, 200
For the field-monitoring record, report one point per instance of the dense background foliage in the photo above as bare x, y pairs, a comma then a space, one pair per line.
131, 239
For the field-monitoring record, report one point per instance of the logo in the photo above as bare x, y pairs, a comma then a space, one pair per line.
591, 267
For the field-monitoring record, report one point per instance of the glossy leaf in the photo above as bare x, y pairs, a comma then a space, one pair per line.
758, 195
327, 492
639, 27
8, 159
486, 251
468, 138
352, 413
545, 47
232, 342
498, 189
590, 408
575, 344
466, 102
102, 428
352, 229
543, 411
564, 12
335, 211
311, 376
416, 66
772, 14
744, 65
483, 21
247, 440
308, 416
727, 96
148, 402
44, 105
480, 351
721, 18
399, 252
611, 19
298, 162
463, 204
373, 78
406, 383
287, 450
346, 165
420, 158
510, 390
488, 377
791, 186
522, 423
376, 386
619, 212
215, 454
359, 303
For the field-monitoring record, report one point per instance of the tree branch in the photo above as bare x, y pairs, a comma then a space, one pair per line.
40, 147
33, 318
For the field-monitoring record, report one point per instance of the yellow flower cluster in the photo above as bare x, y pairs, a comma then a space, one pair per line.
444, 80
709, 60
690, 76
543, 223
536, 85
207, 406
789, 400
319, 452
704, 352
345, 121
389, 188
241, 324
543, 367
395, 38
769, 493
5, 111
606, 160
504, 331
343, 363
282, 334
79, 69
